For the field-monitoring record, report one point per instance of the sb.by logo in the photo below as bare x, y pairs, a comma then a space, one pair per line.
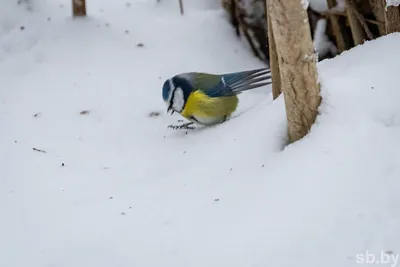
385, 257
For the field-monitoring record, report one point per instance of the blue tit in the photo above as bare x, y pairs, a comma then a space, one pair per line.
209, 99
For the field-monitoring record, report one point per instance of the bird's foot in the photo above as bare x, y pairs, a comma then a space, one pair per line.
186, 126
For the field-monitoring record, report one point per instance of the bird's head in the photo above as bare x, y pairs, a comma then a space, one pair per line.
175, 93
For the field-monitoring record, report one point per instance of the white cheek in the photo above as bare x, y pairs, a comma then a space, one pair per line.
179, 101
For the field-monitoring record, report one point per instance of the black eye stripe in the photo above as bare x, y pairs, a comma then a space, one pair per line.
171, 102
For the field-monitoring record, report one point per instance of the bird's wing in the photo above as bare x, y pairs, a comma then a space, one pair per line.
234, 83
203, 81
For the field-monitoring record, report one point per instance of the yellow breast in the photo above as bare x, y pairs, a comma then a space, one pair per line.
209, 110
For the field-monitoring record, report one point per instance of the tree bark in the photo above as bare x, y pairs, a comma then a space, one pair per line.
336, 28
79, 8
297, 63
273, 59
378, 8
392, 19
357, 30
234, 18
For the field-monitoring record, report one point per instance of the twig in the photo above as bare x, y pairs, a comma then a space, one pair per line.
379, 12
361, 20
357, 30
181, 7
79, 8
234, 19
248, 37
379, 23
327, 14
336, 28
39, 150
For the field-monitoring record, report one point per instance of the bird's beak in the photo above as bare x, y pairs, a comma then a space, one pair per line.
170, 110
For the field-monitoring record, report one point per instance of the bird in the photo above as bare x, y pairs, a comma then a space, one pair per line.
209, 99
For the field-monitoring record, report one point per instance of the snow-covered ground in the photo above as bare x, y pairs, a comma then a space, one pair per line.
117, 188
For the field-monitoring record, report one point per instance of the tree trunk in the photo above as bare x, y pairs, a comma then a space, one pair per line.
79, 8
297, 63
392, 19
336, 28
378, 7
357, 30
273, 59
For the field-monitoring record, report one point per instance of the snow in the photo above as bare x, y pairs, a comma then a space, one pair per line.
321, 41
319, 5
117, 188
322, 5
392, 3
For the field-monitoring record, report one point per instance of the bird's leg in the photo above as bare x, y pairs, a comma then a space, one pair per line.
185, 126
